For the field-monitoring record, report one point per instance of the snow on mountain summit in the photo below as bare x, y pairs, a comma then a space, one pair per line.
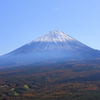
54, 36
53, 46
55, 40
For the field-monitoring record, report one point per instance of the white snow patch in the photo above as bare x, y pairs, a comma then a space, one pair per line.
54, 36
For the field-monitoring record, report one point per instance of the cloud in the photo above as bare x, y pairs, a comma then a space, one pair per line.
56, 9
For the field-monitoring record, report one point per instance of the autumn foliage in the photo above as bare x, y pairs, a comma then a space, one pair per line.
63, 81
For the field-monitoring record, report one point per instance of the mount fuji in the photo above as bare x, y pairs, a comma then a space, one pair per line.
53, 46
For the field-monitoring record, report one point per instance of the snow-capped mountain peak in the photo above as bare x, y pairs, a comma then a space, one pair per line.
54, 36
53, 46
55, 40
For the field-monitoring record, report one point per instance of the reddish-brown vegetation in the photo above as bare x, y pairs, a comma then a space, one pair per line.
56, 82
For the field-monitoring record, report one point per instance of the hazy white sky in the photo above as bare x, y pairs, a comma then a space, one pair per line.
22, 21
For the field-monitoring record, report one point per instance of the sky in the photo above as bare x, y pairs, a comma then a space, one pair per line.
22, 21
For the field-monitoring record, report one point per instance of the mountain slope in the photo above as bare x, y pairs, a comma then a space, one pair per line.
54, 40
53, 46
